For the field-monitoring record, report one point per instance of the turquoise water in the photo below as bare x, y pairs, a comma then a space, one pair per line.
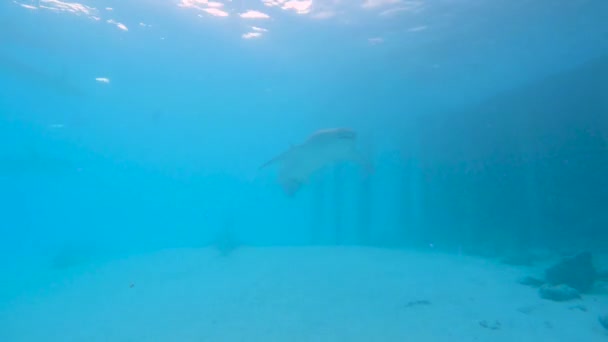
135, 127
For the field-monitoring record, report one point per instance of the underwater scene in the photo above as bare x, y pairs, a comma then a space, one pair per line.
303, 170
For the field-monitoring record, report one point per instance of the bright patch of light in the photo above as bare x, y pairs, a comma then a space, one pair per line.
324, 15
254, 15
73, 7
255, 33
378, 3
119, 25
192, 3
102, 80
418, 28
215, 12
250, 35
211, 8
375, 40
404, 6
29, 6
301, 7
273, 3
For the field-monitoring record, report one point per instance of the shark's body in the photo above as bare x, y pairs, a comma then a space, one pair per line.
322, 148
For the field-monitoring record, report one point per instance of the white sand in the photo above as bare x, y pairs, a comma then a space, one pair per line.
295, 294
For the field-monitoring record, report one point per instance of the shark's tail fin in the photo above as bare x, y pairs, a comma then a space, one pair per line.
253, 177
268, 163
277, 158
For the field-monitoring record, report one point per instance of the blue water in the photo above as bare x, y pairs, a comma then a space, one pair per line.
136, 127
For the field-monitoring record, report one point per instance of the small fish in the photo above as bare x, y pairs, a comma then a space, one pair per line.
102, 80
322, 148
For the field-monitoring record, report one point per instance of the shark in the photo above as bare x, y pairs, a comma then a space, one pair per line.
322, 148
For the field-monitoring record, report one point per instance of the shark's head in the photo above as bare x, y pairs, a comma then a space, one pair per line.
345, 134
330, 136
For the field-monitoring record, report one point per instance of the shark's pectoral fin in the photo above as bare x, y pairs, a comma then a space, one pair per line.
291, 186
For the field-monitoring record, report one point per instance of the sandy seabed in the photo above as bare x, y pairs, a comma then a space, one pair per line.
295, 294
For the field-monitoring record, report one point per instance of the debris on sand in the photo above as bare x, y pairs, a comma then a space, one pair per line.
576, 271
558, 293
490, 325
